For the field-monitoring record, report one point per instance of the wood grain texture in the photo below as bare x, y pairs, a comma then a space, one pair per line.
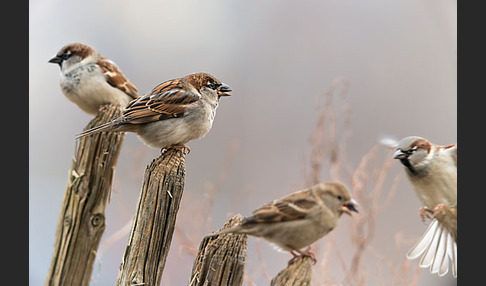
154, 221
82, 219
221, 259
297, 274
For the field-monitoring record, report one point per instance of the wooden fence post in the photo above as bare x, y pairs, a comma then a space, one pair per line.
82, 220
298, 273
221, 259
154, 221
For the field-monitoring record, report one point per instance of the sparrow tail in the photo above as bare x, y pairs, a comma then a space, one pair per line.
233, 229
97, 129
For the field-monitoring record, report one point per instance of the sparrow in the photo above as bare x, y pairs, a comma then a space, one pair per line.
91, 80
298, 219
432, 171
173, 113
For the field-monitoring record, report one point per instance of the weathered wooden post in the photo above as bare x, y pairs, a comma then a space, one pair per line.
82, 220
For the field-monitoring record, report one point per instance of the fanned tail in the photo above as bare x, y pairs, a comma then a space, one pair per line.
437, 246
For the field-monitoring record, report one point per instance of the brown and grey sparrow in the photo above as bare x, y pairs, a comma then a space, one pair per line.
298, 219
91, 80
173, 113
432, 171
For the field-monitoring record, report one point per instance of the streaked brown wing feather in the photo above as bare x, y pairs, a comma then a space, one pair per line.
167, 100
116, 78
292, 207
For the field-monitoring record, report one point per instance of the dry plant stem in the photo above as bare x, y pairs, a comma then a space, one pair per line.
154, 221
298, 273
82, 220
221, 259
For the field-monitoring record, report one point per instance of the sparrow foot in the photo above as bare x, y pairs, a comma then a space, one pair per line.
179, 147
296, 253
425, 212
440, 209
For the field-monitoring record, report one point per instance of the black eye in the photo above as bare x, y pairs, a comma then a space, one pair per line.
66, 56
339, 198
410, 151
213, 85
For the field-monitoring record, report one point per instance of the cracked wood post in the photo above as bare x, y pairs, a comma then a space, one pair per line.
154, 221
298, 273
221, 259
82, 220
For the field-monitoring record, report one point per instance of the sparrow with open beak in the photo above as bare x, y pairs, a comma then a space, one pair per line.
173, 113
432, 171
298, 219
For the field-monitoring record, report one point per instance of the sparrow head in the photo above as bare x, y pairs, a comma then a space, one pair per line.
72, 54
336, 196
204, 82
413, 152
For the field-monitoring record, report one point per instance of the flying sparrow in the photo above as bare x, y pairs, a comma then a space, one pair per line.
432, 171
298, 219
90, 80
173, 113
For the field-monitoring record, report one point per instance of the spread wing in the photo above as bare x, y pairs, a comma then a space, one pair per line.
438, 245
167, 100
292, 207
116, 78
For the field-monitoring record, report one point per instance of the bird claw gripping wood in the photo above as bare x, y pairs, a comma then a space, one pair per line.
184, 149
300, 254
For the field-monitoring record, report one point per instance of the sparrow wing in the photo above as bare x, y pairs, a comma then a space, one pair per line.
116, 78
167, 100
438, 247
292, 207
452, 150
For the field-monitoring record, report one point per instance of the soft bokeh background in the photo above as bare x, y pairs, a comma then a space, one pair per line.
398, 57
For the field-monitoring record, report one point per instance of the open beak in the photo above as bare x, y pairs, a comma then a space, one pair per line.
349, 207
399, 154
56, 60
223, 90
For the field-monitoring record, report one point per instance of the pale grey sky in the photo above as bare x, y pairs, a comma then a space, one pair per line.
399, 58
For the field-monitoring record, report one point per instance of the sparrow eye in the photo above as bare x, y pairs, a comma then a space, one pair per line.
410, 151
213, 85
66, 56
339, 198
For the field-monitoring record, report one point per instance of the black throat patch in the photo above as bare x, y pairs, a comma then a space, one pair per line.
407, 164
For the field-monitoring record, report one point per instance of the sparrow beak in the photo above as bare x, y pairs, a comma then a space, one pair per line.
349, 207
56, 60
223, 90
399, 154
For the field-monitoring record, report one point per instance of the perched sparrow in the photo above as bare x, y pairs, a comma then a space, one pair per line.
432, 171
298, 219
90, 80
173, 113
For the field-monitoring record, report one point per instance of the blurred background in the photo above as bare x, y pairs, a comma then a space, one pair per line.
390, 68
